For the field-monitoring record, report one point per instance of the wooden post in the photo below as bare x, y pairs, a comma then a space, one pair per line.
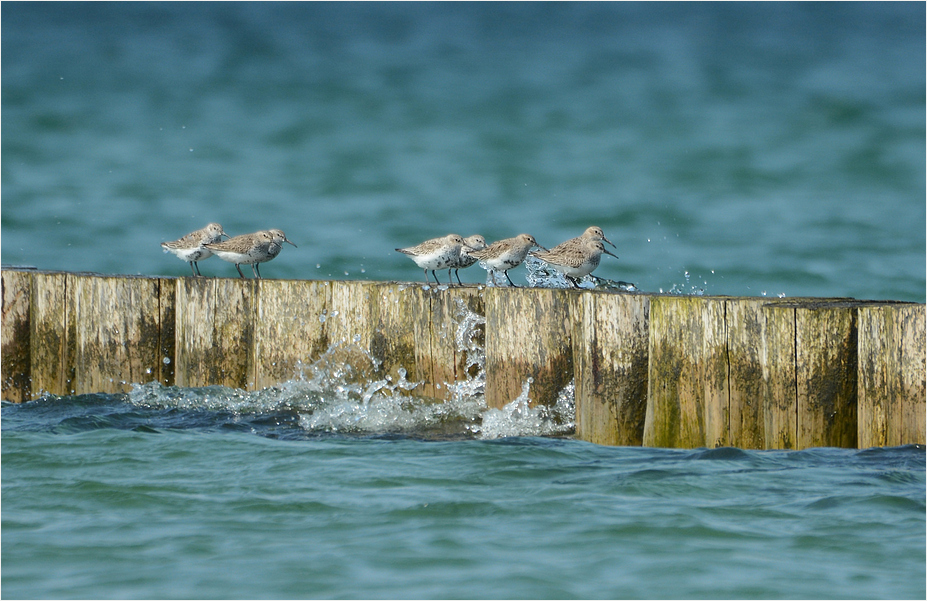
810, 374
392, 342
779, 390
746, 334
438, 360
528, 335
348, 320
688, 403
610, 359
215, 332
748, 372
51, 359
17, 298
116, 332
891, 375
826, 368
422, 299
290, 328
167, 338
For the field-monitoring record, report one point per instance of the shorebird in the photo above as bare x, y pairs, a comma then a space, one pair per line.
250, 249
437, 253
475, 242
276, 245
505, 254
190, 248
575, 258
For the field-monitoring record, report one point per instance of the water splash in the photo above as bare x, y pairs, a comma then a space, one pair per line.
494, 279
541, 275
519, 418
346, 392
689, 289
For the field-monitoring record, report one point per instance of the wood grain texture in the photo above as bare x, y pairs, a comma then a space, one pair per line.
290, 328
15, 336
891, 375
744, 322
116, 332
528, 335
167, 315
610, 359
779, 391
826, 371
215, 321
436, 315
688, 404
747, 372
50, 361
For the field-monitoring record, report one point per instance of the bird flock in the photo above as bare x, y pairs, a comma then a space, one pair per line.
574, 258
248, 249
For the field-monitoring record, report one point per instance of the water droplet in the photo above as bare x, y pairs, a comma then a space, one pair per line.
166, 361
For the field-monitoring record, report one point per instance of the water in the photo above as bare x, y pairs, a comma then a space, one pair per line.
768, 149
104, 497
338, 484
726, 149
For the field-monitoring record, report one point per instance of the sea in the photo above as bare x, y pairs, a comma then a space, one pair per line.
746, 149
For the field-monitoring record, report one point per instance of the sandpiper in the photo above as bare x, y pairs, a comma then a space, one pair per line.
276, 245
250, 249
437, 253
190, 248
474, 242
505, 254
575, 260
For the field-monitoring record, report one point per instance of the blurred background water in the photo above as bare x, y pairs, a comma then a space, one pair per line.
727, 148
111, 497
741, 149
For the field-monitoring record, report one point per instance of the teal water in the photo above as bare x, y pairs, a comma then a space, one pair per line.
743, 149
106, 498
736, 149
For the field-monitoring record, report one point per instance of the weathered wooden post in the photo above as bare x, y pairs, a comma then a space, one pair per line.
215, 324
438, 361
167, 339
289, 329
17, 299
746, 372
825, 365
394, 307
610, 359
51, 357
744, 321
688, 402
116, 332
779, 391
528, 335
891, 375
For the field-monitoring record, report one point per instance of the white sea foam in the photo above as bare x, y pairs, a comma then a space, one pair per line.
541, 275
345, 391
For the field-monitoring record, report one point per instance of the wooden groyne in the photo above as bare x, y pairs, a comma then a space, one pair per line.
653, 370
